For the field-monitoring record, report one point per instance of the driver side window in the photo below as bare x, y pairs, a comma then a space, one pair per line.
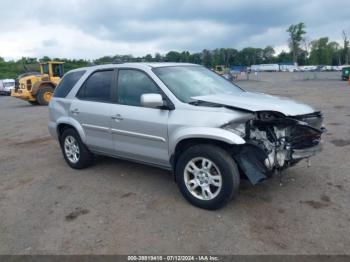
131, 85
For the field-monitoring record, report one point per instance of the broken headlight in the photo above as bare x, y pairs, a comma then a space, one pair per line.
236, 128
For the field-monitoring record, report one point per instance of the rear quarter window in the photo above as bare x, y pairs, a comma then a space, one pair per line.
67, 83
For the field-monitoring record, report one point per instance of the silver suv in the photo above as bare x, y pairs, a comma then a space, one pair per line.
185, 118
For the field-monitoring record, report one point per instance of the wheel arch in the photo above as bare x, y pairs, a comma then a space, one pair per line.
194, 136
63, 124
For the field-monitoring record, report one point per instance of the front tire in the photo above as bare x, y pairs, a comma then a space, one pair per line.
76, 154
44, 95
207, 176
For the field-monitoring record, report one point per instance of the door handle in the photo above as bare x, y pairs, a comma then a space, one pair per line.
75, 111
117, 117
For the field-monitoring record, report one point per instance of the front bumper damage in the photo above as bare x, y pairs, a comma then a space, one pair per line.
307, 152
250, 160
275, 143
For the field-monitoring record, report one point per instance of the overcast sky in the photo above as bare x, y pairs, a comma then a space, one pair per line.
94, 28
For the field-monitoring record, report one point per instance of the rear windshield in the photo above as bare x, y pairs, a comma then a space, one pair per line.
67, 83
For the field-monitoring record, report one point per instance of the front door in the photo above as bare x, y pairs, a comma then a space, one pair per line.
139, 133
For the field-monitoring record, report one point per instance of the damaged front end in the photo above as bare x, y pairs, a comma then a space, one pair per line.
275, 141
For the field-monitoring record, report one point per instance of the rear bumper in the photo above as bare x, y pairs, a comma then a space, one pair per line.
306, 153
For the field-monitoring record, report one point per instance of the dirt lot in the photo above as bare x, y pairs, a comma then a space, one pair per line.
121, 207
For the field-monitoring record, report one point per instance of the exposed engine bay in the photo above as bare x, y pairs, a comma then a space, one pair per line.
278, 132
275, 142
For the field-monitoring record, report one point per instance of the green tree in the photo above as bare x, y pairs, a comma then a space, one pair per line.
158, 57
296, 36
195, 58
228, 56
303, 58
336, 53
173, 56
148, 58
346, 52
206, 58
45, 59
104, 60
185, 57
216, 57
249, 56
322, 51
268, 54
284, 57
232, 56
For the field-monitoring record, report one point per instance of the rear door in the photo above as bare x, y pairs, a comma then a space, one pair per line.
139, 133
92, 109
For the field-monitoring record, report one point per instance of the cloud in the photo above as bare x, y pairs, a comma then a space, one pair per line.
92, 28
49, 42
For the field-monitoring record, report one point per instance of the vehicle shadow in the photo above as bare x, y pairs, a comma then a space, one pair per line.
129, 167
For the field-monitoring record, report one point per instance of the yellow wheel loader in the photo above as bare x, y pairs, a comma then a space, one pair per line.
37, 88
220, 69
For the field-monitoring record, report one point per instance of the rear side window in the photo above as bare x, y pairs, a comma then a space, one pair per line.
98, 87
67, 83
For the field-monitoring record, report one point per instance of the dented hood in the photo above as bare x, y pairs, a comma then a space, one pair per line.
258, 102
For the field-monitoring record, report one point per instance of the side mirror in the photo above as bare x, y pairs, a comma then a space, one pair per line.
152, 100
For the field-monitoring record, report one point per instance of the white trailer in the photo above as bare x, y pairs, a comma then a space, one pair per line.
265, 68
307, 68
6, 85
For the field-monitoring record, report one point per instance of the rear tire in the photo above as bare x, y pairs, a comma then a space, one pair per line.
44, 95
76, 154
212, 182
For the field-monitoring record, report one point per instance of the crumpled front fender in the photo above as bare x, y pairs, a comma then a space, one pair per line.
212, 133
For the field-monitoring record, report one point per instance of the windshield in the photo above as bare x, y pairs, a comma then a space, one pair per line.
45, 68
189, 81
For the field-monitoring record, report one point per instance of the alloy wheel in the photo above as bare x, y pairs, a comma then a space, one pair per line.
202, 178
71, 149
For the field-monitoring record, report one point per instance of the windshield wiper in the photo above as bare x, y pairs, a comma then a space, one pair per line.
204, 103
196, 102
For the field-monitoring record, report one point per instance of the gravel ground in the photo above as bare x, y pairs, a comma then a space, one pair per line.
118, 207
